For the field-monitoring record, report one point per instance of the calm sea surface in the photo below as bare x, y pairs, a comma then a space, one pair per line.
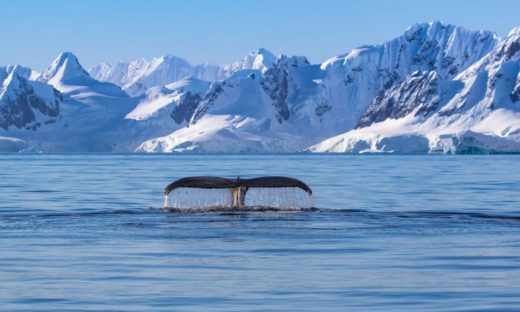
428, 233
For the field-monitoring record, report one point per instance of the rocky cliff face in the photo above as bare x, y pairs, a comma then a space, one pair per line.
276, 84
515, 94
281, 83
357, 78
26, 104
420, 89
475, 111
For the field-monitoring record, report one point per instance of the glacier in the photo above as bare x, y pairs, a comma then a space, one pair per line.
438, 88
476, 111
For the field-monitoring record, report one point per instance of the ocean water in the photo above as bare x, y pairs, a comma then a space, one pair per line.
392, 233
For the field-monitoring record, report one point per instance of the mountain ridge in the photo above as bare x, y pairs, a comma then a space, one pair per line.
433, 89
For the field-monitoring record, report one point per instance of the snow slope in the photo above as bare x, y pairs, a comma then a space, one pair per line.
140, 75
234, 115
176, 100
438, 88
68, 76
260, 59
313, 102
476, 111
90, 114
247, 112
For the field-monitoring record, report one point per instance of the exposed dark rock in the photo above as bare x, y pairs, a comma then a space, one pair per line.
418, 91
390, 78
348, 80
416, 34
322, 109
210, 97
447, 61
427, 54
187, 105
19, 107
276, 85
512, 49
515, 95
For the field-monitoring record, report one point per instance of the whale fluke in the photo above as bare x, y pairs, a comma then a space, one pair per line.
209, 182
238, 187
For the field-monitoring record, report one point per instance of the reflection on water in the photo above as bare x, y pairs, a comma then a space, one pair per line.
391, 233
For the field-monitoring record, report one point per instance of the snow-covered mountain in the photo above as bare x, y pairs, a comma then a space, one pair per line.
140, 75
436, 88
252, 111
235, 114
476, 111
177, 100
260, 59
68, 76
26, 104
166, 109
69, 110
357, 77
312, 102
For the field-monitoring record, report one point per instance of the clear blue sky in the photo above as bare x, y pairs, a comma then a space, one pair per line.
33, 32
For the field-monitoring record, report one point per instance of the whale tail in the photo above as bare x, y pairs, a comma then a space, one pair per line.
237, 189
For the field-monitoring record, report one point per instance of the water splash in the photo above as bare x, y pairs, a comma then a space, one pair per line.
283, 198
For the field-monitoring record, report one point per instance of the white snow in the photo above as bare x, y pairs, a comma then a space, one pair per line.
260, 59
140, 75
263, 103
220, 134
24, 103
496, 131
480, 117
68, 76
158, 98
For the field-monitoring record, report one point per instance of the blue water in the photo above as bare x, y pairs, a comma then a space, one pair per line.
428, 233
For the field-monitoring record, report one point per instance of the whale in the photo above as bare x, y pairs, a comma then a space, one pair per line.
238, 187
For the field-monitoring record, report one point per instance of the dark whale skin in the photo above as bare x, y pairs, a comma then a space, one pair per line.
209, 182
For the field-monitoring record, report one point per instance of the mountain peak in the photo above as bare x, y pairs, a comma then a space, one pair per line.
67, 59
65, 67
68, 76
11, 82
263, 51
263, 55
440, 28
66, 55
427, 25
13, 78
100, 71
21, 99
18, 71
260, 59
515, 32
